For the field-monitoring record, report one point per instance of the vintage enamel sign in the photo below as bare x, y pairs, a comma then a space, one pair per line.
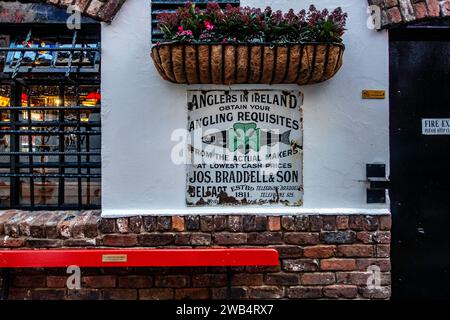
245, 147
436, 126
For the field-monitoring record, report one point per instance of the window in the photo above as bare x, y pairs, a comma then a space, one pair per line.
50, 117
163, 6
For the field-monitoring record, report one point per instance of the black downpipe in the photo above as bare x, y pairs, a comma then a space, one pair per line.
229, 279
6, 275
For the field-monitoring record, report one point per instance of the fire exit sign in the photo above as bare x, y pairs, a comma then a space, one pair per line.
436, 126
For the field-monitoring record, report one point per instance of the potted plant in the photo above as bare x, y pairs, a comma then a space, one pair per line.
248, 45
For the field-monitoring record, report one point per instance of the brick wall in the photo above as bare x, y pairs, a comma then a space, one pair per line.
103, 10
394, 12
320, 256
398, 12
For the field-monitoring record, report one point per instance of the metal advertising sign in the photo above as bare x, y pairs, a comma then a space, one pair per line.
245, 147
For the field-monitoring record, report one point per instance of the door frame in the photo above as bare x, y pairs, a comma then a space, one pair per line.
425, 31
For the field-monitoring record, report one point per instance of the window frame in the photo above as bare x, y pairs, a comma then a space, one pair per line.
87, 170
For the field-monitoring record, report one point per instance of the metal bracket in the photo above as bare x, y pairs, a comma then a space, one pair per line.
22, 54
69, 65
377, 182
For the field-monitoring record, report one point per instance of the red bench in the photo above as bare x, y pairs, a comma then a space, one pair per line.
58, 258
223, 257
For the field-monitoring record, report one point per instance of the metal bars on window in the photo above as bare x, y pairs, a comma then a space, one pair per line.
165, 6
54, 161
68, 54
50, 128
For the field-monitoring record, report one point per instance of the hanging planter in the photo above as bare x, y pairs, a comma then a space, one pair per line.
244, 45
228, 64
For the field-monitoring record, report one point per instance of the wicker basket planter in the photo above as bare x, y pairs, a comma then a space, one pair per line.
228, 64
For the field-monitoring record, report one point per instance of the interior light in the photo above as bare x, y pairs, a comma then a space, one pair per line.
4, 101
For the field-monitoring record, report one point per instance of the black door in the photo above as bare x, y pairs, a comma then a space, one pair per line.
420, 164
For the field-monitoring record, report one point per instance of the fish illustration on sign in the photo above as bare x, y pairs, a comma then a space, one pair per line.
246, 136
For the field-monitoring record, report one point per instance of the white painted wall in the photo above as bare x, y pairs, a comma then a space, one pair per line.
342, 132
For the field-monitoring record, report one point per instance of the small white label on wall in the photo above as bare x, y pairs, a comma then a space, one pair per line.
436, 126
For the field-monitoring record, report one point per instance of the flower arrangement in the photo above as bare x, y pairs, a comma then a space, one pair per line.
251, 25
248, 45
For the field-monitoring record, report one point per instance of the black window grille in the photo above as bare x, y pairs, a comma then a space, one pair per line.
164, 6
50, 125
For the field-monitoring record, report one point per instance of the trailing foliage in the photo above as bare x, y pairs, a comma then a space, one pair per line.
252, 25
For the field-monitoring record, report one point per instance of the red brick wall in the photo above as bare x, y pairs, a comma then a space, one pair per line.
103, 10
320, 256
398, 12
393, 12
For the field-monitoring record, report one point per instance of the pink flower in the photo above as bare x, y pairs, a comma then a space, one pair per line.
188, 32
180, 29
209, 26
